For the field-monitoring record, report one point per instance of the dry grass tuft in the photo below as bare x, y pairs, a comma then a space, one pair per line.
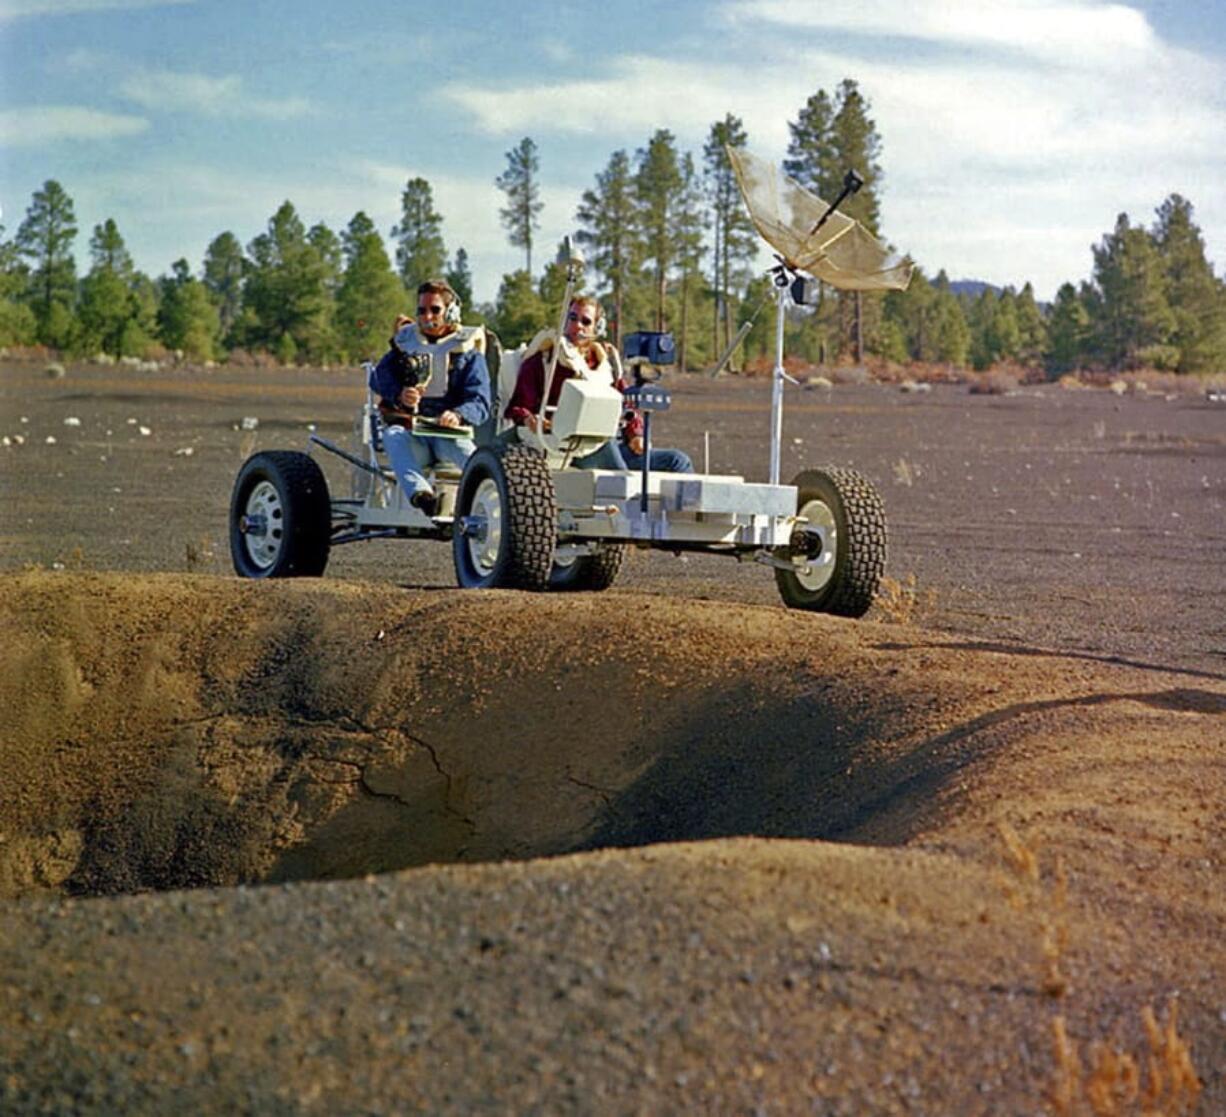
199, 554
1109, 1082
994, 382
1161, 1083
1021, 858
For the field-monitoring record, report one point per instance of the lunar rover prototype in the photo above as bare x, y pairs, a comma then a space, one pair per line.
522, 515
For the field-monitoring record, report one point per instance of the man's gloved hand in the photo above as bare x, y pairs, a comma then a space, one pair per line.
414, 368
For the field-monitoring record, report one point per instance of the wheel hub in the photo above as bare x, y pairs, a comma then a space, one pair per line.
474, 527
818, 545
485, 543
262, 525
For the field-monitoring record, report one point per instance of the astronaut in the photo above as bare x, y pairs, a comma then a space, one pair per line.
433, 378
580, 353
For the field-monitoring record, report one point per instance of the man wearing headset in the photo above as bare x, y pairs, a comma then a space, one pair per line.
582, 347
580, 353
434, 369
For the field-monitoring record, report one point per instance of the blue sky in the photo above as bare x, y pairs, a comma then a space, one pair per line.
1013, 132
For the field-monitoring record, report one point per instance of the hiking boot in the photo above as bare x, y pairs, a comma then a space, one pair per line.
425, 501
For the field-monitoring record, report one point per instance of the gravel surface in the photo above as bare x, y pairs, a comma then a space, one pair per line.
371, 844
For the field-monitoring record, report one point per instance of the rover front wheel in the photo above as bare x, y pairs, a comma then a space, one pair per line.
505, 520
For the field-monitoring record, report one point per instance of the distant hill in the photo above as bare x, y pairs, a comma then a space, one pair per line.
973, 288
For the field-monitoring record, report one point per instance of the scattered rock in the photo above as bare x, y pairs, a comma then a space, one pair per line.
55, 371
72, 421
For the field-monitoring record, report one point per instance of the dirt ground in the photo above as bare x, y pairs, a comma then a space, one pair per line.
370, 844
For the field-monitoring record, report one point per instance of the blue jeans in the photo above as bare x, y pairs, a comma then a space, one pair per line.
606, 456
663, 461
412, 454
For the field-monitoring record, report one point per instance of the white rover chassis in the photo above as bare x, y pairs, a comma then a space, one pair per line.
520, 516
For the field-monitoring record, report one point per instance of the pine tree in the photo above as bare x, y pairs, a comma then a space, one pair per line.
1134, 319
224, 271
982, 321
734, 240
370, 295
327, 245
1068, 332
1005, 332
109, 311
17, 323
658, 185
689, 225
856, 144
606, 218
828, 139
460, 276
519, 311
331, 254
519, 183
45, 237
1195, 294
913, 313
953, 336
552, 288
187, 318
811, 159
1032, 330
420, 253
286, 290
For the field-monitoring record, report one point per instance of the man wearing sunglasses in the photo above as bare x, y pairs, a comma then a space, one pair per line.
580, 353
583, 354
435, 370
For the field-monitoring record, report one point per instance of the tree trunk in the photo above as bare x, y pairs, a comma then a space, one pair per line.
716, 348
859, 330
685, 321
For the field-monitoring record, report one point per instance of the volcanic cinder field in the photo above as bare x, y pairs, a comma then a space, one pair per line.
370, 844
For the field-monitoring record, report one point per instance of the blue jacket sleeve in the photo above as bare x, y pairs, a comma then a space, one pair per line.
385, 380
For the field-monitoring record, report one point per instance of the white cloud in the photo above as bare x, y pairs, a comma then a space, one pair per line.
219, 200
1084, 31
35, 127
639, 94
167, 90
29, 9
1013, 133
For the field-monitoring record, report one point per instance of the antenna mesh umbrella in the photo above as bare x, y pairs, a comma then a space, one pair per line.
842, 252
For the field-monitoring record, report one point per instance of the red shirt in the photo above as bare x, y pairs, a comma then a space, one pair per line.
530, 386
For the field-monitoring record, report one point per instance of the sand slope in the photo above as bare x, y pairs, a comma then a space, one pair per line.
836, 925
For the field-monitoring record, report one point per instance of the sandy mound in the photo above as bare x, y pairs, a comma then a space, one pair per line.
165, 732
169, 732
